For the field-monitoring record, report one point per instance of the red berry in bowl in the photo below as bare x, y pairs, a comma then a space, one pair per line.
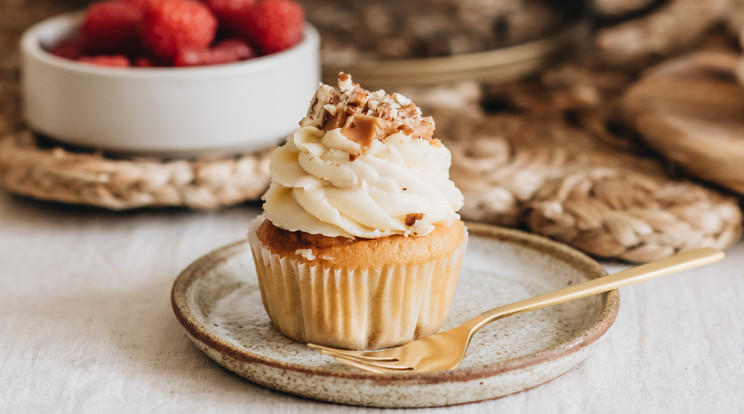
149, 62
226, 51
162, 33
67, 48
273, 25
144, 62
139, 3
169, 26
111, 27
229, 12
116, 61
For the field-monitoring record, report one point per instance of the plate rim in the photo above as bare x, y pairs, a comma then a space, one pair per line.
500, 64
580, 340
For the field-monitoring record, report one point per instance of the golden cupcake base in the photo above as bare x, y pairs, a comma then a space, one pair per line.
342, 302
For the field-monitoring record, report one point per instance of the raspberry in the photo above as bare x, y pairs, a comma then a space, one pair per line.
273, 25
67, 48
229, 12
149, 62
172, 25
226, 51
111, 27
117, 61
139, 3
144, 62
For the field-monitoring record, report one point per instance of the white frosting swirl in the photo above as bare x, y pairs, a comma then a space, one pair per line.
324, 183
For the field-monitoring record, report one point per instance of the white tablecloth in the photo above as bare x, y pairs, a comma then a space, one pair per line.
87, 326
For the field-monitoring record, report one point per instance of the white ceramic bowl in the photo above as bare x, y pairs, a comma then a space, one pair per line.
216, 109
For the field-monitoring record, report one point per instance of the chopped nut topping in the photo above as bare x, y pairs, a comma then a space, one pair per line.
401, 99
405, 129
412, 218
331, 108
334, 121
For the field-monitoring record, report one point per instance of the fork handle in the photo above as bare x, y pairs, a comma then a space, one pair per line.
682, 261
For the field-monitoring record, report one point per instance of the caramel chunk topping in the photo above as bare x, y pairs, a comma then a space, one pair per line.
363, 129
331, 108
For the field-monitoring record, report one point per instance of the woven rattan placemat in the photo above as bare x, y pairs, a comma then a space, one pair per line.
556, 180
52, 173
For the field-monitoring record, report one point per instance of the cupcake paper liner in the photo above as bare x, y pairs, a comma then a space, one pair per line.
355, 308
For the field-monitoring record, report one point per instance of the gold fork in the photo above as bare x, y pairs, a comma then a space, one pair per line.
445, 350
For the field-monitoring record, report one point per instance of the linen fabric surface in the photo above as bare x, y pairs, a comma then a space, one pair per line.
88, 327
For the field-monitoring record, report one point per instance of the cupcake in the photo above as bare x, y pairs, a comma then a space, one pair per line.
360, 244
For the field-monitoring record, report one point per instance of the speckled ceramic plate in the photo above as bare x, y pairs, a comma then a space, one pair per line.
218, 301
